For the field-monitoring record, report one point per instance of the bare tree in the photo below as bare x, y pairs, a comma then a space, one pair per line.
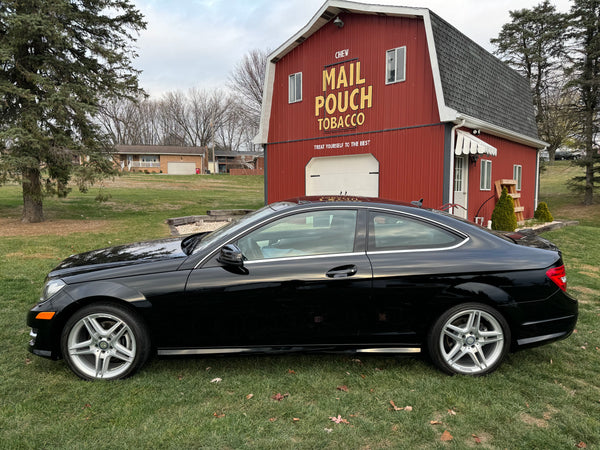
247, 80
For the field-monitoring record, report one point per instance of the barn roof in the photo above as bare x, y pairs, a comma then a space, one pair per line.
471, 84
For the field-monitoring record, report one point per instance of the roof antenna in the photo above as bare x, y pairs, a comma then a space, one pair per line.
417, 203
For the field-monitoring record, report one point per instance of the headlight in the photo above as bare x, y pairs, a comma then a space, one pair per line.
51, 288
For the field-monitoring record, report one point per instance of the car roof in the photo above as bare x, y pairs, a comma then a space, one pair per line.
350, 199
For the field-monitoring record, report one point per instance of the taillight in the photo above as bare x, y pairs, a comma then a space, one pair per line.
558, 276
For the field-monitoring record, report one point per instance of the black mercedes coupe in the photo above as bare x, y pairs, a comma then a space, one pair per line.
312, 274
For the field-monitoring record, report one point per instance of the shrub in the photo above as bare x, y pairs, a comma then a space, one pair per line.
503, 217
542, 213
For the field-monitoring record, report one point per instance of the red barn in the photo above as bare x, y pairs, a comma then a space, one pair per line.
394, 102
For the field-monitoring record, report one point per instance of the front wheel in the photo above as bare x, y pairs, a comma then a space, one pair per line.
469, 339
105, 341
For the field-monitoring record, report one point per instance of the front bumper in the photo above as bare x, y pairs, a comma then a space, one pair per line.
45, 333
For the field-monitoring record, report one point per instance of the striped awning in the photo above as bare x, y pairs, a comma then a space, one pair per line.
467, 144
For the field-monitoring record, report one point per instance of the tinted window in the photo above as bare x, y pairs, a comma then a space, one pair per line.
310, 233
395, 232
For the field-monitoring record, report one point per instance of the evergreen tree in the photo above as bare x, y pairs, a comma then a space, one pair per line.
585, 77
58, 58
503, 216
533, 44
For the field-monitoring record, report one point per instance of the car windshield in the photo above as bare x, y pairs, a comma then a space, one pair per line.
204, 240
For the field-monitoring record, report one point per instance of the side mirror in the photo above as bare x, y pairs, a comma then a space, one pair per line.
231, 255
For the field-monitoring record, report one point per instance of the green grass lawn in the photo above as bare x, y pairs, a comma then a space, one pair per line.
548, 397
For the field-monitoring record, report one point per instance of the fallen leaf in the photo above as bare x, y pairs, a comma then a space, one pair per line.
87, 405
356, 360
408, 408
451, 412
446, 436
581, 445
339, 419
280, 396
219, 415
342, 388
435, 422
477, 439
180, 377
295, 419
291, 371
216, 380
362, 376
28, 361
249, 396
272, 419
394, 406
328, 430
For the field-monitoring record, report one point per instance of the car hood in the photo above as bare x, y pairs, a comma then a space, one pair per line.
111, 257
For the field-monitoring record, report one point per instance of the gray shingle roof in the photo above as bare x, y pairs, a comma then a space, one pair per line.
478, 84
159, 150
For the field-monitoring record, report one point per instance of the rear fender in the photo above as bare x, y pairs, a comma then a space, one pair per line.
470, 291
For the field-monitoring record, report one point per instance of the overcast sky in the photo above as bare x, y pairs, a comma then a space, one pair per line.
196, 43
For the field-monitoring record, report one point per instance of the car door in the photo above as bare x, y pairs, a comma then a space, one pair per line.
301, 278
410, 258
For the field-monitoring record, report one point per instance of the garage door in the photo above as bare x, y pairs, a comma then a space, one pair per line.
343, 175
181, 168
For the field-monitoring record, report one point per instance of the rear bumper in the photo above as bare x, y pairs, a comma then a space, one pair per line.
560, 312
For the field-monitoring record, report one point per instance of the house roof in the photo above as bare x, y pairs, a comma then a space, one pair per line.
470, 83
159, 150
230, 153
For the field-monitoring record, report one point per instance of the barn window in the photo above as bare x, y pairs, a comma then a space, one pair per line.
485, 183
295, 87
395, 65
517, 175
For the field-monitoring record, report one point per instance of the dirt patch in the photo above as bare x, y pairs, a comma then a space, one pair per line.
14, 227
530, 420
592, 293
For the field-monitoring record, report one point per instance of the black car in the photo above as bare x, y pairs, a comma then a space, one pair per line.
336, 274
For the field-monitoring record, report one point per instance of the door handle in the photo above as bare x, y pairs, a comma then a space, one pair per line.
342, 272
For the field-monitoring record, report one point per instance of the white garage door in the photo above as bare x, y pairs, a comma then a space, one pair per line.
181, 168
343, 175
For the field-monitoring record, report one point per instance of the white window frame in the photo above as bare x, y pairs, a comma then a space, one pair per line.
485, 180
518, 175
397, 58
295, 81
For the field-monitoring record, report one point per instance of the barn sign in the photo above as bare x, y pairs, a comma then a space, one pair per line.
349, 96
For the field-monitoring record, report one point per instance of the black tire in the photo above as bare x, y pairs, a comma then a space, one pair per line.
105, 341
469, 339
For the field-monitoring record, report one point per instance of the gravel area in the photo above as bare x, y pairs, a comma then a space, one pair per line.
200, 227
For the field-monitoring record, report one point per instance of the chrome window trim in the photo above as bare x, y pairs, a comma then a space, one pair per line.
419, 250
296, 258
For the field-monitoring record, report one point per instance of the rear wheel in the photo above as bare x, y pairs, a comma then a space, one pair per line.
469, 339
105, 341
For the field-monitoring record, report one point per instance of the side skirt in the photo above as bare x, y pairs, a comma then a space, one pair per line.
222, 351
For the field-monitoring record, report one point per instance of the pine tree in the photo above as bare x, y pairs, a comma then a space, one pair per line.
585, 77
503, 216
533, 44
58, 58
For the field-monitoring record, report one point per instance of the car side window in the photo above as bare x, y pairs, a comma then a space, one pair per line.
304, 234
397, 232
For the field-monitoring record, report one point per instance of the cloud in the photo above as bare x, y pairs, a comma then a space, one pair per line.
196, 43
